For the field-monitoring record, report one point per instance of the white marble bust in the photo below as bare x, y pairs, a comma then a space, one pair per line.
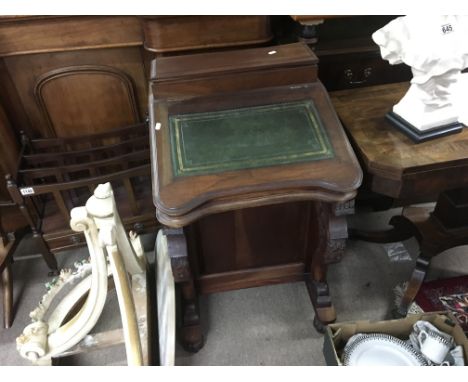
436, 48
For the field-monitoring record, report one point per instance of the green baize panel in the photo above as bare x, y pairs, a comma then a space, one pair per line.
213, 142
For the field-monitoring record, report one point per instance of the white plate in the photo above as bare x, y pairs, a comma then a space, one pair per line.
375, 349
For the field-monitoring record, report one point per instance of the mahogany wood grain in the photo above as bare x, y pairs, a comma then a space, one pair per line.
11, 102
247, 69
337, 178
9, 150
71, 107
249, 278
191, 335
70, 93
251, 226
252, 238
58, 174
40, 34
257, 199
37, 48
70, 76
397, 167
73, 156
181, 33
198, 65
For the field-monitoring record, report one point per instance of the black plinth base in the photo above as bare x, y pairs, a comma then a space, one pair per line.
421, 136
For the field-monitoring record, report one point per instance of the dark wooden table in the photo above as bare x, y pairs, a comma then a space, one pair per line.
256, 193
408, 173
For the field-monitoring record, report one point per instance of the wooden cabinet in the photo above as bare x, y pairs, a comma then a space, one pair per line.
79, 92
347, 55
358, 69
171, 34
73, 75
66, 76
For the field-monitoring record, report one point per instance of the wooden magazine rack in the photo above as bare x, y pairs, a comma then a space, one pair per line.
56, 174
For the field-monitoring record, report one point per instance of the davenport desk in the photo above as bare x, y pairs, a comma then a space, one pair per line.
252, 174
408, 173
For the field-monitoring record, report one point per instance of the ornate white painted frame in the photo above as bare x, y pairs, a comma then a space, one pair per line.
112, 253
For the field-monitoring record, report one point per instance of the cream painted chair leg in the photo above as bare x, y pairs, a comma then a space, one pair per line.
126, 303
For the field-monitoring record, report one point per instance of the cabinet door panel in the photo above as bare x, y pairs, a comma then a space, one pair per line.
86, 99
71, 93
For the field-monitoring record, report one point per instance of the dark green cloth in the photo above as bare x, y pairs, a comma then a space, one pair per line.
212, 142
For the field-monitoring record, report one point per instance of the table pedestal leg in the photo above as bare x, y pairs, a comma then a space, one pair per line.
417, 278
190, 334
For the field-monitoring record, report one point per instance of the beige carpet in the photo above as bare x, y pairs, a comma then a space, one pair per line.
269, 325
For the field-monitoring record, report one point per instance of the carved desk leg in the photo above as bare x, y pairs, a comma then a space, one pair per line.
191, 335
328, 235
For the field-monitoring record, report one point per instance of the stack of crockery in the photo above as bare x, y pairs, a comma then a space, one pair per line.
426, 346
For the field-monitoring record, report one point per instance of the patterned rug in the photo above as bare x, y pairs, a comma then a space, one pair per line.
441, 295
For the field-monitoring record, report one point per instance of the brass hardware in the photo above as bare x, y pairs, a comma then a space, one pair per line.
365, 75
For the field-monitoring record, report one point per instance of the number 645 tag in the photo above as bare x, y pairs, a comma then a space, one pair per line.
447, 28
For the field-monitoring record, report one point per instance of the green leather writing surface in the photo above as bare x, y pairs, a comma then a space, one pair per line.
212, 142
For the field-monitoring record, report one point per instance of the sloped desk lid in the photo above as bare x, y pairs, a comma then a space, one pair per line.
218, 152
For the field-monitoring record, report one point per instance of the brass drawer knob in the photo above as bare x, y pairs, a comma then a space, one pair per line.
351, 77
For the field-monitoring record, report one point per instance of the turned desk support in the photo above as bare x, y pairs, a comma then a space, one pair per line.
191, 336
329, 228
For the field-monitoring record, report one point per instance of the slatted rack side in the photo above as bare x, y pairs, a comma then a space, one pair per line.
56, 174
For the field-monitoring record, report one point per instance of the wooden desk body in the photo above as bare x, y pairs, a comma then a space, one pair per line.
261, 222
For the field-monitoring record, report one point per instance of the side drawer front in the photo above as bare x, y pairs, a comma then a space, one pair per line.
348, 71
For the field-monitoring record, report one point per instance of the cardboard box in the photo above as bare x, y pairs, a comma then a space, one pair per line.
337, 335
